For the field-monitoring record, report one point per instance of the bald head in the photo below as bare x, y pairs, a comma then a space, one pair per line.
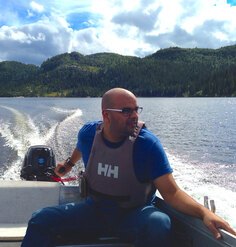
118, 126
114, 96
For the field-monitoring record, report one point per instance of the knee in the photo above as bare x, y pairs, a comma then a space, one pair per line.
152, 218
41, 217
155, 231
160, 222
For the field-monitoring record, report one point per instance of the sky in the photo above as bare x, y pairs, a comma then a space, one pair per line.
33, 31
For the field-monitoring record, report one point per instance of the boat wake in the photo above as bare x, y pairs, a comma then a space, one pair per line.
25, 131
195, 181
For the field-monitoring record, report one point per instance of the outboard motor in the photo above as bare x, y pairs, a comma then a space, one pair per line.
39, 164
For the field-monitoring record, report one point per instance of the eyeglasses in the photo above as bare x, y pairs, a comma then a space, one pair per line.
127, 111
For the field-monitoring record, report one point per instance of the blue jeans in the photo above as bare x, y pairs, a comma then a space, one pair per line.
145, 226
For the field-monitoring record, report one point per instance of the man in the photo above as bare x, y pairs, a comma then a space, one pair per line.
125, 163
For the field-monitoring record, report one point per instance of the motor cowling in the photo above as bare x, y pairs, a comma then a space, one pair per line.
39, 164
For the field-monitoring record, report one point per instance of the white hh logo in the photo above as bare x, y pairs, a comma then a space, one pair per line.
108, 170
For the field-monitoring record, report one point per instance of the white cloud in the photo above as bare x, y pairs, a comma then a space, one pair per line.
37, 7
36, 42
137, 27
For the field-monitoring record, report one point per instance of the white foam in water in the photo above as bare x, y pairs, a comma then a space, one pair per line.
61, 110
191, 179
74, 114
66, 138
25, 133
71, 113
19, 137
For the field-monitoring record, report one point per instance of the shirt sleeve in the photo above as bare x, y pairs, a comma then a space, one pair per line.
85, 140
150, 158
158, 161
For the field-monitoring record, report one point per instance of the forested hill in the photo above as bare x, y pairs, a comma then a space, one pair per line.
168, 72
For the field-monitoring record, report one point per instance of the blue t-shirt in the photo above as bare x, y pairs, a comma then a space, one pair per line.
149, 158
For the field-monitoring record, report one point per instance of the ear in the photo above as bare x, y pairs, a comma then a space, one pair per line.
105, 114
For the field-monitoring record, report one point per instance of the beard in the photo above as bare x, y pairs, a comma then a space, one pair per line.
131, 127
124, 129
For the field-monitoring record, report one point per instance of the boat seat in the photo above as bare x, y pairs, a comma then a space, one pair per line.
12, 232
25, 198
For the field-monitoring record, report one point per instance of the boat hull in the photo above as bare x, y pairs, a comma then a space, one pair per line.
20, 198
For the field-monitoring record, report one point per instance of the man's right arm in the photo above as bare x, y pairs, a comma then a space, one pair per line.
76, 156
66, 166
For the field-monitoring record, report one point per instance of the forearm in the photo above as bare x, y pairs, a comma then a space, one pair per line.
182, 202
75, 156
177, 198
66, 166
186, 204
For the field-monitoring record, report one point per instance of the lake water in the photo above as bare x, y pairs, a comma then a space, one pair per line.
198, 134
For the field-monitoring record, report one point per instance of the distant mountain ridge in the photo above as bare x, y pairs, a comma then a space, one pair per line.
171, 72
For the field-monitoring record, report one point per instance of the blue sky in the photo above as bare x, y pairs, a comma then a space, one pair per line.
231, 2
33, 31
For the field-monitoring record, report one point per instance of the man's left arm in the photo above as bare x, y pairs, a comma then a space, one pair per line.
182, 202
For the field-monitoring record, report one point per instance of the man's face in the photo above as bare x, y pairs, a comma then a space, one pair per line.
123, 124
